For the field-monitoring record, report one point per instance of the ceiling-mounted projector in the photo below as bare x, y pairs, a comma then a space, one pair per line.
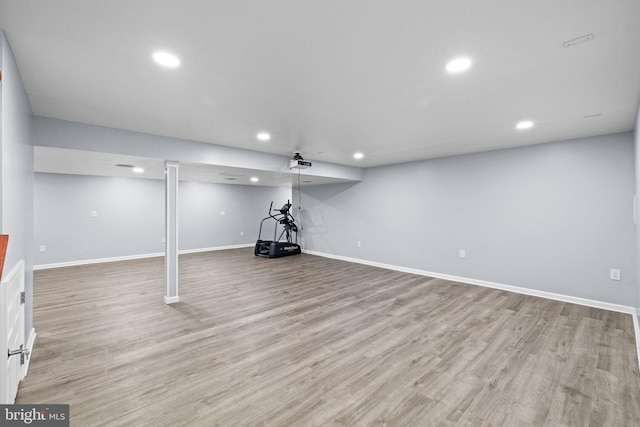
298, 162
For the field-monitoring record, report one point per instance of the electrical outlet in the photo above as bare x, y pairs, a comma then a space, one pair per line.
164, 240
462, 253
43, 248
358, 244
222, 213
94, 214
614, 274
241, 233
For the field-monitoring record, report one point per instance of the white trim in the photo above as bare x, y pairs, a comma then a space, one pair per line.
636, 329
30, 343
15, 276
171, 229
217, 248
96, 261
132, 257
171, 300
525, 291
510, 288
14, 272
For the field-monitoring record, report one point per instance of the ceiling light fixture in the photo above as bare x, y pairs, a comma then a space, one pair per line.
166, 59
263, 136
358, 155
136, 169
525, 124
254, 179
458, 65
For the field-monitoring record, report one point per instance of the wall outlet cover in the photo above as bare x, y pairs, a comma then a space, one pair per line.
614, 274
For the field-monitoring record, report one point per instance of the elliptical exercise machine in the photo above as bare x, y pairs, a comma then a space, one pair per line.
279, 247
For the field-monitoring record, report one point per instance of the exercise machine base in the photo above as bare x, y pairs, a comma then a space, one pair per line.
271, 249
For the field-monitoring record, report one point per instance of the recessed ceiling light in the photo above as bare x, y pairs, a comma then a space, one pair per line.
136, 169
458, 65
254, 179
166, 59
263, 136
358, 155
525, 124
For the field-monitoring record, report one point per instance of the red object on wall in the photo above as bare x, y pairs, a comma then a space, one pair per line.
4, 241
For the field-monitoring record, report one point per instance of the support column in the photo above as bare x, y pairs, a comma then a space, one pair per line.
171, 232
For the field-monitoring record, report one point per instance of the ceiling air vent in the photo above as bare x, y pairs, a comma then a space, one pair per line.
579, 40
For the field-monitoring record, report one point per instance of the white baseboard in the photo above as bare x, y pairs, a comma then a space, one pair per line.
171, 300
95, 261
636, 329
30, 343
216, 248
487, 284
132, 257
525, 291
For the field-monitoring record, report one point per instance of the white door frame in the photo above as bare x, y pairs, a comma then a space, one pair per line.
12, 314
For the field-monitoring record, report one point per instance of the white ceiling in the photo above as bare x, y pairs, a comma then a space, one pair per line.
333, 77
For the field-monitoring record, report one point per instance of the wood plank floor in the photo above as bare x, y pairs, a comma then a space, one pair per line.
309, 341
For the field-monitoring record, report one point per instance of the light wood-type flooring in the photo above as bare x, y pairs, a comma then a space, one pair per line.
310, 341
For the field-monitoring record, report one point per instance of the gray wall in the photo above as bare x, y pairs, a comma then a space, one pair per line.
129, 221
552, 217
16, 152
130, 216
202, 224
